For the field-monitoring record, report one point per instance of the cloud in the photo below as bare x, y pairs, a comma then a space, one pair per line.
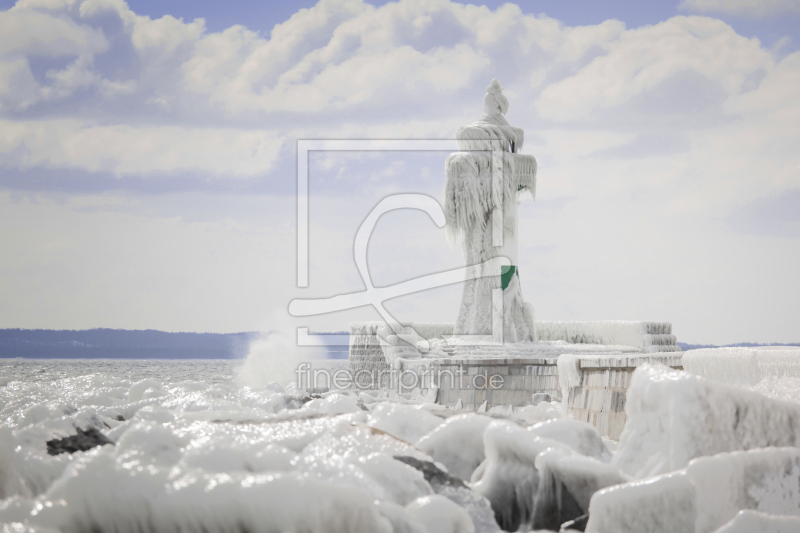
743, 8
643, 58
127, 150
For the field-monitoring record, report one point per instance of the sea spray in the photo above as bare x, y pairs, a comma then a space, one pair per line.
274, 357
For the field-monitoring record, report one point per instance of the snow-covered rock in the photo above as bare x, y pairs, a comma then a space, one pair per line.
440, 515
403, 421
541, 412
579, 436
508, 478
457, 443
704, 496
452, 488
674, 417
567, 482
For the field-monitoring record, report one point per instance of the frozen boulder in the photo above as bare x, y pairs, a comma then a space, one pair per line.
578, 436
399, 518
540, 412
440, 515
753, 521
457, 443
508, 478
82, 441
674, 417
663, 504
403, 421
704, 496
402, 483
567, 482
443, 484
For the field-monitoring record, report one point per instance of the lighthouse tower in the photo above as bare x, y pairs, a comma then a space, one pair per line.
485, 181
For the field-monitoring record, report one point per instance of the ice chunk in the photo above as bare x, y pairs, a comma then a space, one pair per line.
478, 508
403, 421
334, 404
567, 482
402, 483
579, 436
508, 478
440, 515
753, 521
674, 417
705, 495
457, 443
663, 504
765, 480
541, 412
401, 522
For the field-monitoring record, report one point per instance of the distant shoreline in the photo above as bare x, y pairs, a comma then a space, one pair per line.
105, 343
151, 344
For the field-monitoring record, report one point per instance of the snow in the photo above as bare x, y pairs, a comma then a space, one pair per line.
440, 515
773, 371
457, 443
704, 496
675, 416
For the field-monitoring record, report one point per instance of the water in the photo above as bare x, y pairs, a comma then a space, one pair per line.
168, 371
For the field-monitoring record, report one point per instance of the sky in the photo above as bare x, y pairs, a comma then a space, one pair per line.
148, 158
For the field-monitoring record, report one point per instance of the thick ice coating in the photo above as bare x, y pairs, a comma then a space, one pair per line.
674, 417
457, 444
704, 496
484, 179
773, 371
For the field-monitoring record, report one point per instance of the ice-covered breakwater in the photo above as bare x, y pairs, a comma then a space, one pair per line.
194, 455
477, 374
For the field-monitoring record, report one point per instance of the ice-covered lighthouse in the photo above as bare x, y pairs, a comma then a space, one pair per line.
587, 365
484, 183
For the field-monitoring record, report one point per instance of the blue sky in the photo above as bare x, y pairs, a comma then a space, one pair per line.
147, 151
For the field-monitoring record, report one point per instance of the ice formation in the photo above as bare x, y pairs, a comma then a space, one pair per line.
674, 417
749, 521
200, 456
773, 371
704, 496
438, 514
489, 172
457, 444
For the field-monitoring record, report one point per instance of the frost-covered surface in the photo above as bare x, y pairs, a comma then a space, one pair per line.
753, 521
471, 195
646, 336
674, 417
196, 451
773, 371
517, 459
457, 444
704, 496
